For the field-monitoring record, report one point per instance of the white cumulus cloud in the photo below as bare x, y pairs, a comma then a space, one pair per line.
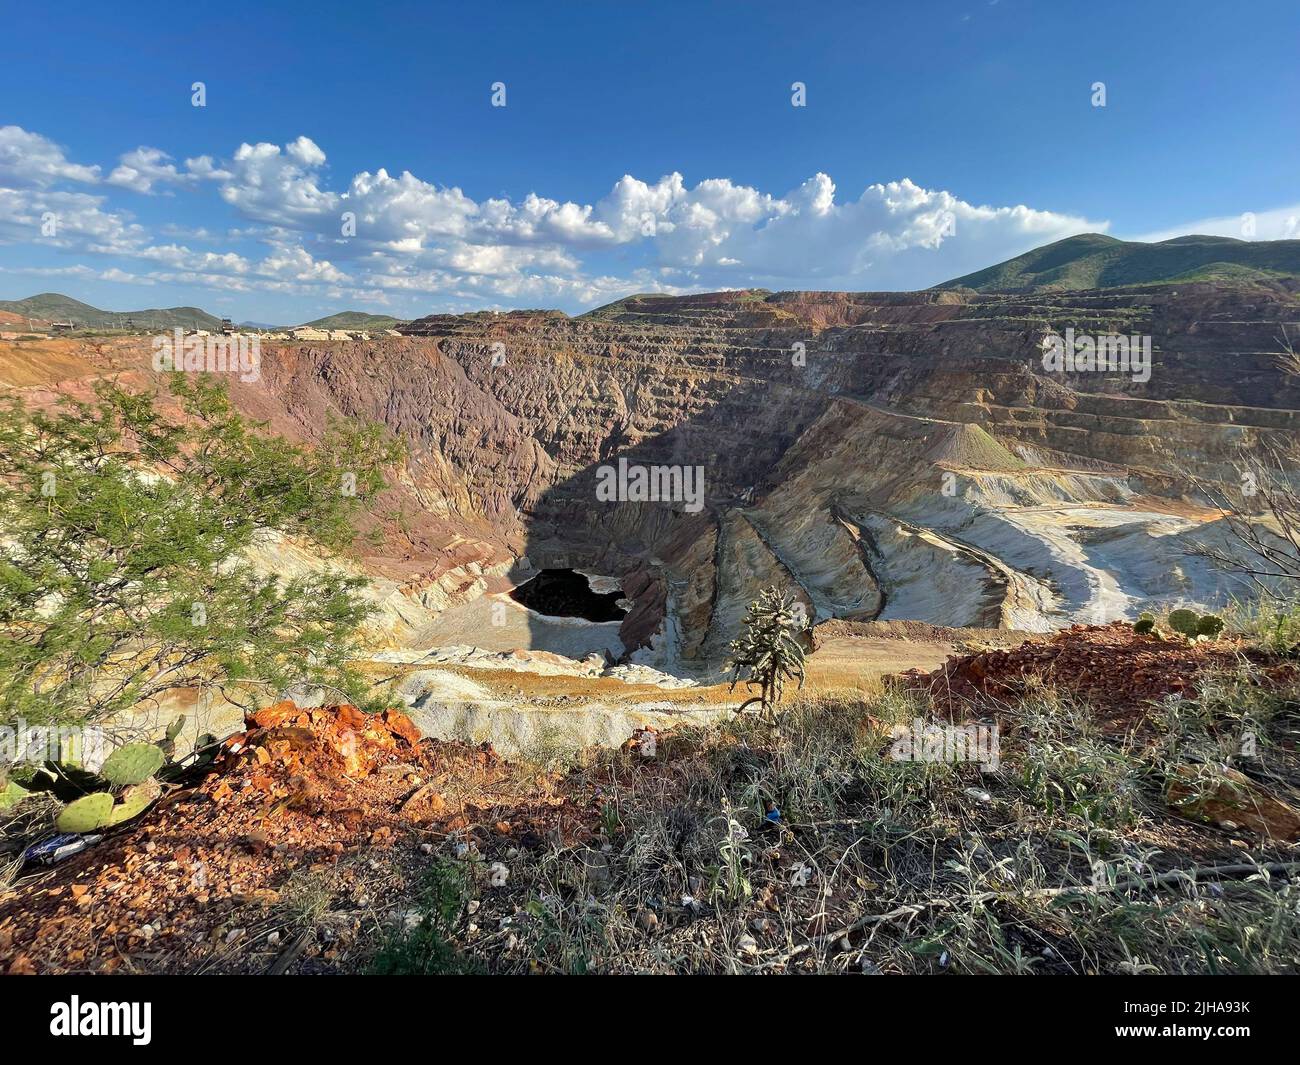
380, 232
29, 159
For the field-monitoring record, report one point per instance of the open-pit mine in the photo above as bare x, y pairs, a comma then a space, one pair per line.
884, 457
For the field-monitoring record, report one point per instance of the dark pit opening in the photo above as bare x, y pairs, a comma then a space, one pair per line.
566, 593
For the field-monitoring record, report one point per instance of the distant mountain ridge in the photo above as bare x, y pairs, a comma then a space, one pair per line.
355, 320
55, 307
1086, 261
1094, 260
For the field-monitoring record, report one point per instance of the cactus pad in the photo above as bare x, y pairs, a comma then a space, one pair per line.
1184, 621
133, 764
85, 814
135, 800
11, 794
1209, 625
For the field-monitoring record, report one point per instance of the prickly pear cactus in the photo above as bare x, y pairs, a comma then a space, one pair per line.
1144, 625
1184, 621
1209, 625
168, 743
11, 794
135, 800
133, 764
85, 814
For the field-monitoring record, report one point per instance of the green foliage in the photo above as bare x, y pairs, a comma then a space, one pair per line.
130, 768
168, 743
133, 764
135, 800
11, 794
1209, 625
123, 566
1274, 625
425, 949
356, 320
1069, 766
767, 649
1192, 625
174, 729
730, 879
609, 821
53, 306
85, 814
98, 809
1144, 625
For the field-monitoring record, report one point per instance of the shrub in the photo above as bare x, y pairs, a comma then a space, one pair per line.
1069, 766
122, 540
425, 949
1274, 625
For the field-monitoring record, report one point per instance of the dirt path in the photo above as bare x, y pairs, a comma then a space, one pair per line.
857, 654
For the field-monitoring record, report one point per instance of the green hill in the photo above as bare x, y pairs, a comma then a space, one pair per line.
1093, 260
54, 307
355, 320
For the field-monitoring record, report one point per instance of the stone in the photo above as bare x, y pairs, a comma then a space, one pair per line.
1227, 797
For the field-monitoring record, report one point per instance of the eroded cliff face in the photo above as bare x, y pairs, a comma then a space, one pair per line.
894, 455
898, 455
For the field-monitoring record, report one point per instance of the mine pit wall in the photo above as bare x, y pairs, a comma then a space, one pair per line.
1214, 382
516, 449
508, 418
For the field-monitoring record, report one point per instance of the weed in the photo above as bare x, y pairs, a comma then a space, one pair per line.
1069, 766
1272, 624
423, 946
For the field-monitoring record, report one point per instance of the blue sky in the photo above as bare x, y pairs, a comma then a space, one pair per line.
642, 147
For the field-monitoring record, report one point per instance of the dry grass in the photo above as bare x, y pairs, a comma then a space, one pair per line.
1064, 860
1052, 865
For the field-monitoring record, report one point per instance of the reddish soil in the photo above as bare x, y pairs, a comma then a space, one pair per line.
299, 792
12, 318
918, 632
1110, 667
